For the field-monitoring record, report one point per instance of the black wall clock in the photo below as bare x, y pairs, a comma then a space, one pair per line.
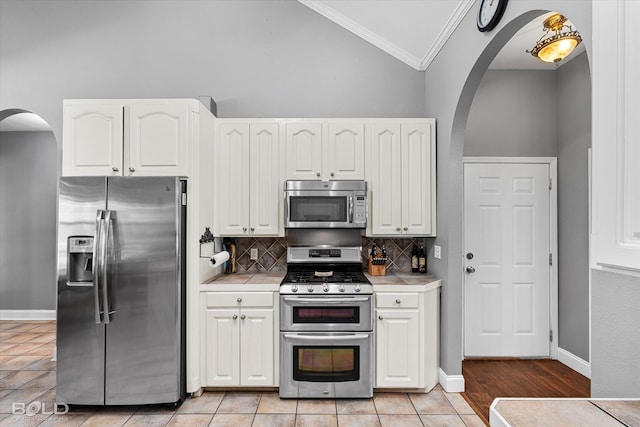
489, 14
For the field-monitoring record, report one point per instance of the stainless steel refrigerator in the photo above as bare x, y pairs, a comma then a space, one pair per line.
121, 290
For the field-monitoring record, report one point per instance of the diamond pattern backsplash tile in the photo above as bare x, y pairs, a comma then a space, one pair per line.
272, 253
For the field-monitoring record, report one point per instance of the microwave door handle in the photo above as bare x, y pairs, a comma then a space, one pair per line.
350, 209
97, 263
286, 209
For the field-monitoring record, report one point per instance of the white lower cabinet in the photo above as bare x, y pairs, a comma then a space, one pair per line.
238, 339
407, 330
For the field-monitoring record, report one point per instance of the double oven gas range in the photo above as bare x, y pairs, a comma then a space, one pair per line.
326, 324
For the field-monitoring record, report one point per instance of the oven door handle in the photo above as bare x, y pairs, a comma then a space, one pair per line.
328, 337
318, 300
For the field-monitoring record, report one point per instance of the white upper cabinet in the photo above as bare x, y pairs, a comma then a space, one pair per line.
400, 166
92, 139
325, 150
616, 136
248, 178
127, 138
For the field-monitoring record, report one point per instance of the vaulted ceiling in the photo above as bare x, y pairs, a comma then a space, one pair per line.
413, 31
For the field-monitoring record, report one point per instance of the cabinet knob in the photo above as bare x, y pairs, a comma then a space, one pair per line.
243, 317
318, 174
397, 228
252, 229
239, 300
132, 170
332, 174
380, 317
398, 301
115, 169
244, 228
406, 228
235, 316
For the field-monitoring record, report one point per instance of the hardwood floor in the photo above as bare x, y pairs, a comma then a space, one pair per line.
487, 379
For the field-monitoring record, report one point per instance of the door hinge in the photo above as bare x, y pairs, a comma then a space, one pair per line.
550, 184
550, 335
550, 259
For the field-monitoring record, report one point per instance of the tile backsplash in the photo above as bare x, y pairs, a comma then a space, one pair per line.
272, 253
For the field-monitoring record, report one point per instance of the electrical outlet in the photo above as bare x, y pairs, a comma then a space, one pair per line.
437, 252
254, 254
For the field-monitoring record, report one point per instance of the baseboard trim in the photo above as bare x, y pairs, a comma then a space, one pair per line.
574, 362
451, 383
27, 315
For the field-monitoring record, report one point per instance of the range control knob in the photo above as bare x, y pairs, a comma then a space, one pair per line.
310, 288
294, 288
325, 288
357, 289
341, 288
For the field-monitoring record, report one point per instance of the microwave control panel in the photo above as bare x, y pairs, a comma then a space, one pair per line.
360, 210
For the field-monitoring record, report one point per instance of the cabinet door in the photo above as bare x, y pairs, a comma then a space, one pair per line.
397, 353
256, 344
157, 140
416, 179
345, 151
264, 171
92, 140
232, 179
384, 179
304, 150
222, 347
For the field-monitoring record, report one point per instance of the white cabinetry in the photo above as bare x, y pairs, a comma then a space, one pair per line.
248, 184
616, 132
127, 137
238, 339
325, 150
400, 172
407, 335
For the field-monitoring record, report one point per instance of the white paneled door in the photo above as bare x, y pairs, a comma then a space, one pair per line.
507, 259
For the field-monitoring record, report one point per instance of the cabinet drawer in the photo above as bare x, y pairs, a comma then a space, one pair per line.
397, 300
247, 299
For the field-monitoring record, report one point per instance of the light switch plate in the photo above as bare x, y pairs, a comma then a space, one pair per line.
254, 254
437, 252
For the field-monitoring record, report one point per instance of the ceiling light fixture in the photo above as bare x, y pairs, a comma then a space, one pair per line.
555, 47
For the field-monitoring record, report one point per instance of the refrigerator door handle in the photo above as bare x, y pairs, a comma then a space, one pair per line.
97, 265
104, 241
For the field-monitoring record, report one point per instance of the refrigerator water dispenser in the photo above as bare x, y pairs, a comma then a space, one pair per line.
80, 260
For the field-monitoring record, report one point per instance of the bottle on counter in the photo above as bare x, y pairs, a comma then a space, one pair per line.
422, 260
414, 259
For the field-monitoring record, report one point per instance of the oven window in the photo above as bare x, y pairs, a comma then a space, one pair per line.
317, 209
326, 364
326, 314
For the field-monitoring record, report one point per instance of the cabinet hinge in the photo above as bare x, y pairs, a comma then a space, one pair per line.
550, 259
550, 335
550, 184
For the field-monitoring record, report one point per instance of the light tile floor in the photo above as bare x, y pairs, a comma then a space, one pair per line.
27, 375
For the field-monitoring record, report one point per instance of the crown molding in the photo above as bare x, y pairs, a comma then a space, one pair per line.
397, 52
449, 27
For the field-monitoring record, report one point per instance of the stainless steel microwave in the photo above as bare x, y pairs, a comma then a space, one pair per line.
325, 204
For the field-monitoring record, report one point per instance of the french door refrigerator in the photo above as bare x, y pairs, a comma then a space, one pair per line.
121, 290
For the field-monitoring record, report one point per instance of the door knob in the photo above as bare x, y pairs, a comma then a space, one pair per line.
469, 255
470, 269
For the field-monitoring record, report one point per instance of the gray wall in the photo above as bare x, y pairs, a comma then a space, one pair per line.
273, 58
615, 350
451, 82
27, 221
547, 113
513, 114
574, 140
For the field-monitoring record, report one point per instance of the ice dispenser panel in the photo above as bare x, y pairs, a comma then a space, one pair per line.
80, 260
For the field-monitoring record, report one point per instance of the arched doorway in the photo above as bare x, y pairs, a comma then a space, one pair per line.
28, 191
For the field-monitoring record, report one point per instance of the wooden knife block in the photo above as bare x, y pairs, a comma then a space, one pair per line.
376, 270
